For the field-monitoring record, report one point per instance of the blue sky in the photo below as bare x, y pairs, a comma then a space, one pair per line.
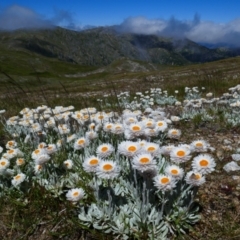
210, 21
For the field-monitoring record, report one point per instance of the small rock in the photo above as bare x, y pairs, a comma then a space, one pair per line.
227, 148
238, 150
236, 157
227, 142
231, 166
236, 177
220, 154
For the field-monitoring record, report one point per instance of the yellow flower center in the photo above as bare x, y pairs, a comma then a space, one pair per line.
10, 143
174, 171
75, 194
164, 180
149, 124
118, 127
3, 163
181, 153
20, 161
93, 162
109, 126
160, 124
37, 151
81, 141
203, 163
132, 149
104, 149
174, 132
199, 144
136, 128
144, 160
100, 117
11, 151
17, 177
107, 167
151, 149
195, 176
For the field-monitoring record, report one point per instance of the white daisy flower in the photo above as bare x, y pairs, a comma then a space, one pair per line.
151, 132
20, 161
101, 117
195, 178
107, 127
164, 182
68, 164
130, 120
129, 149
152, 148
107, 170
75, 194
42, 145
149, 123
77, 116
203, 163
165, 150
81, 143
135, 130
4, 163
117, 128
36, 127
51, 148
175, 118
1, 149
175, 171
174, 133
11, 153
58, 117
90, 164
199, 146
144, 162
180, 154
38, 152
38, 168
71, 138
24, 111
11, 144
91, 126
19, 178
50, 123
104, 150
41, 159
161, 125
91, 135
63, 129
59, 143
91, 110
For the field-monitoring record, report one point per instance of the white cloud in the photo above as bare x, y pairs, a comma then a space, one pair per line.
16, 17
196, 30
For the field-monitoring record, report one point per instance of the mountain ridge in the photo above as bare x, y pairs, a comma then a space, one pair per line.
103, 45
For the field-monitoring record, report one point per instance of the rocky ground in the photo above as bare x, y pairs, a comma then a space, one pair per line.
219, 197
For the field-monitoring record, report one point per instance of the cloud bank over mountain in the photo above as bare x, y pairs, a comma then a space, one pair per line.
200, 31
197, 30
18, 17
